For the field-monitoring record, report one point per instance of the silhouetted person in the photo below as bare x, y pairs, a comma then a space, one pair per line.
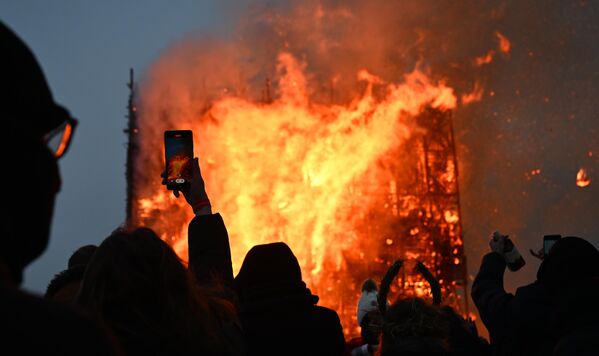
210, 254
278, 313
65, 285
524, 323
142, 291
571, 273
35, 132
414, 326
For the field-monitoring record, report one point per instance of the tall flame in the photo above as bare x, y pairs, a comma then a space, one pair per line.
283, 170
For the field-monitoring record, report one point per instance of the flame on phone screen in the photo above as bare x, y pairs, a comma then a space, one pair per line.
179, 166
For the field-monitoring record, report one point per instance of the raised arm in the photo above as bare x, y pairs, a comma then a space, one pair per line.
488, 292
209, 250
208, 242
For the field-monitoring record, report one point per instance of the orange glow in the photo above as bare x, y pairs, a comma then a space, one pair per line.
451, 216
532, 173
486, 59
582, 179
475, 95
504, 44
64, 141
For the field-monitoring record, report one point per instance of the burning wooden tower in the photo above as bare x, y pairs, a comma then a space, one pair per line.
418, 217
407, 206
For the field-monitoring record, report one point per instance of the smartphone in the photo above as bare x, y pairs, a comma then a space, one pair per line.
549, 241
178, 149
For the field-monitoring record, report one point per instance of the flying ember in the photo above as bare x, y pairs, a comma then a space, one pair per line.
582, 179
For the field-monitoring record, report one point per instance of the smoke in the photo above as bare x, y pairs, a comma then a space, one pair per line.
535, 132
528, 70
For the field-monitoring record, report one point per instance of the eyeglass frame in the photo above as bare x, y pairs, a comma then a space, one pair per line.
71, 123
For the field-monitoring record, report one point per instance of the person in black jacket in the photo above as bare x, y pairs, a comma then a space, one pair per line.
524, 323
278, 312
571, 273
36, 131
577, 318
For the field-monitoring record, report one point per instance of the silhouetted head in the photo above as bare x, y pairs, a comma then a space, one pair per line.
143, 292
413, 325
64, 287
570, 260
133, 267
268, 264
31, 180
271, 271
82, 256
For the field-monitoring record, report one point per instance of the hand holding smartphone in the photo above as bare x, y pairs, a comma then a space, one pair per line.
182, 173
178, 148
548, 242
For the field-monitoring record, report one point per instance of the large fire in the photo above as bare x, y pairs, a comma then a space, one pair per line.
291, 170
284, 170
351, 179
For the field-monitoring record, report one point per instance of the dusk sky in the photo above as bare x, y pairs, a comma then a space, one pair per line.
86, 49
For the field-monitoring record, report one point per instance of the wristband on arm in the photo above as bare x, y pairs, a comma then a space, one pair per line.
202, 206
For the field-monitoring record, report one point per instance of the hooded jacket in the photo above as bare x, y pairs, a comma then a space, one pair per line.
278, 313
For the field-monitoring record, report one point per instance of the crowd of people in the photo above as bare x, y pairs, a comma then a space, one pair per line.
132, 295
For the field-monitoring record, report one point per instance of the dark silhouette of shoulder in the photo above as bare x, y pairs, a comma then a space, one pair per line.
30, 326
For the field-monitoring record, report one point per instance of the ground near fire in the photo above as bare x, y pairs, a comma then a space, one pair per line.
361, 132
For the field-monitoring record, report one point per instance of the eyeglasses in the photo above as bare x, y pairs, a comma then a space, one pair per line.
59, 139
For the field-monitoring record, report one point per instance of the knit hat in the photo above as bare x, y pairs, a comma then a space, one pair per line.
368, 299
24, 92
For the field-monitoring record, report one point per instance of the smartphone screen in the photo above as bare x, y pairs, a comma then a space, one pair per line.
178, 148
549, 241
